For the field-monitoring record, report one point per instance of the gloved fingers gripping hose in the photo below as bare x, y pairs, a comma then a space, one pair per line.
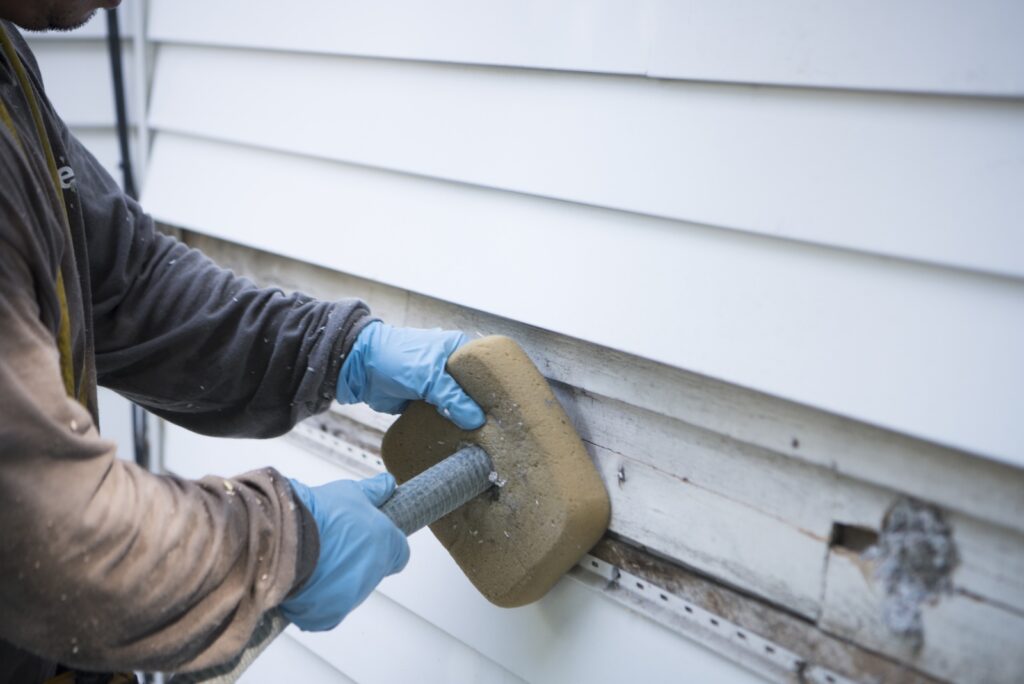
359, 546
389, 367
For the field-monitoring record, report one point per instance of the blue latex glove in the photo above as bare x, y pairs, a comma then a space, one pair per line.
387, 367
359, 546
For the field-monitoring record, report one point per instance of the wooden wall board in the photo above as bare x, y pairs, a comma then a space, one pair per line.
965, 638
721, 537
822, 167
784, 629
991, 565
964, 47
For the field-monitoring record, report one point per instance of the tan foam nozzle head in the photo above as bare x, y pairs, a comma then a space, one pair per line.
515, 541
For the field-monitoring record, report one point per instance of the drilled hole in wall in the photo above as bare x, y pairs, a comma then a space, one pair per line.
688, 609
663, 597
769, 649
741, 635
853, 537
714, 622
594, 563
639, 586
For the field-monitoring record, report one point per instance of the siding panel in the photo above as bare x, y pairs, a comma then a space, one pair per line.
855, 335
953, 46
893, 175
959, 46
586, 35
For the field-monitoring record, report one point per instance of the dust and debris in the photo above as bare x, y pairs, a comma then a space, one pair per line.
915, 557
495, 480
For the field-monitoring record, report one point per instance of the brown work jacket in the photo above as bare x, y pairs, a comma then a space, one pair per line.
105, 566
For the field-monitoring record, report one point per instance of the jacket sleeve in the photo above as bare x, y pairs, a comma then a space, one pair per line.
194, 343
102, 564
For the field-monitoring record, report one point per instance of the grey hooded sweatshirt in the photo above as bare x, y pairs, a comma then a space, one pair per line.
104, 566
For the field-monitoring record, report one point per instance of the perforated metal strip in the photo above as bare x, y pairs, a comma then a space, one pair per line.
757, 652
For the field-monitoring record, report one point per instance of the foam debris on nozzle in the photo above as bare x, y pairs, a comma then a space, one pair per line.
550, 506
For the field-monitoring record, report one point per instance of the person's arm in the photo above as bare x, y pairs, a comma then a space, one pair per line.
104, 565
195, 343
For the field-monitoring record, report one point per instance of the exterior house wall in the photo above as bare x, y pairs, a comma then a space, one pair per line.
770, 261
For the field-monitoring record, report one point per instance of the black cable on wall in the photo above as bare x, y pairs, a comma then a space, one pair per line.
140, 430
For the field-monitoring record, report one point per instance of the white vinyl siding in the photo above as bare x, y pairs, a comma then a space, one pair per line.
949, 46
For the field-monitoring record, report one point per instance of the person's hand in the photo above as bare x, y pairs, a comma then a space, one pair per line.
359, 546
387, 367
